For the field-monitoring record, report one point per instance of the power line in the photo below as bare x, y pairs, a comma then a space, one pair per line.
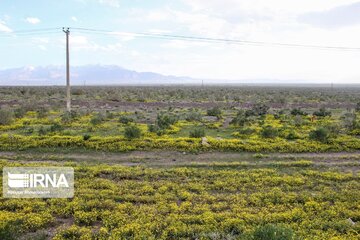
33, 32
26, 33
215, 40
39, 30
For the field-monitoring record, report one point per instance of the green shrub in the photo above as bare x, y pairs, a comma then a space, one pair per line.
109, 115
85, 218
247, 131
197, 133
292, 136
259, 109
41, 112
67, 117
357, 107
6, 116
164, 121
97, 119
132, 132
321, 134
153, 128
43, 131
193, 116
73, 233
56, 127
240, 119
349, 121
86, 137
322, 112
297, 111
9, 230
233, 227
215, 112
125, 120
20, 112
269, 132
273, 232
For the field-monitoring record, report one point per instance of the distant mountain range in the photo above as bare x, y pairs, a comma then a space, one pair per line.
116, 75
87, 75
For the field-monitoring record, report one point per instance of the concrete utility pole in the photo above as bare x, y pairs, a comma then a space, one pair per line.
68, 92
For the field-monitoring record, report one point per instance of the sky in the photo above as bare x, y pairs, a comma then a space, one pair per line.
309, 22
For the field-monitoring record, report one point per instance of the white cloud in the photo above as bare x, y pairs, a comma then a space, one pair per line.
74, 18
82, 43
4, 27
43, 40
265, 7
159, 31
33, 20
42, 47
180, 44
111, 3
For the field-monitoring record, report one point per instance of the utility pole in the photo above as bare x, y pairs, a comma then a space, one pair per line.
68, 92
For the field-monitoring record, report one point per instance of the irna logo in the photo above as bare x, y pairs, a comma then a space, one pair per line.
38, 182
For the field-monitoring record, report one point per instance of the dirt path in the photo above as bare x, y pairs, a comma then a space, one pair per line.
171, 158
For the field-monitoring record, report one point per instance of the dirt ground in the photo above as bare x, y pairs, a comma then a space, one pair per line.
341, 160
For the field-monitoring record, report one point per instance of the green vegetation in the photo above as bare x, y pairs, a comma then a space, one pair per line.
221, 201
215, 112
132, 132
197, 133
6, 117
247, 119
182, 180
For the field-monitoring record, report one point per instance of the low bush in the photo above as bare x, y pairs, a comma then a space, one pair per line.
193, 116
125, 120
215, 112
240, 119
164, 120
197, 133
269, 132
321, 134
6, 116
97, 119
322, 112
132, 132
273, 232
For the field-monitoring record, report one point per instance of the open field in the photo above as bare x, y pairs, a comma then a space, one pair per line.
252, 119
256, 163
211, 196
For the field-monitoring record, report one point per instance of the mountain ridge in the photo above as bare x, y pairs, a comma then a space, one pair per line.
86, 75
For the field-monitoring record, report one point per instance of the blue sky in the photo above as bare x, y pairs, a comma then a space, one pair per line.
319, 22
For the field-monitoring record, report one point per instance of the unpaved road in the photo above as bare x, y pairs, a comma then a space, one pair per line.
343, 160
